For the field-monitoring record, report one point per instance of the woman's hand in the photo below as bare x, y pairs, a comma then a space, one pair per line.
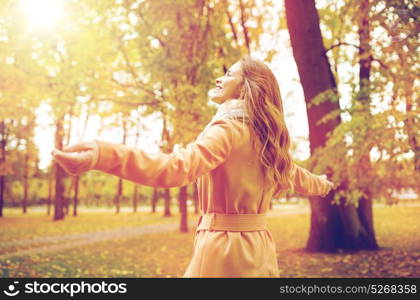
77, 158
330, 184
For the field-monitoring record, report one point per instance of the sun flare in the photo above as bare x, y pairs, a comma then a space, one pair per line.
42, 14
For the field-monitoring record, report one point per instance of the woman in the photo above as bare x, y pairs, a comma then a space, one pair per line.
239, 162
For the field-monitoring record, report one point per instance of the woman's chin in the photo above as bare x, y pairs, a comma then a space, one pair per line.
216, 97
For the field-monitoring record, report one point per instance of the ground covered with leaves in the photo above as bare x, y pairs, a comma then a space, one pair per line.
167, 254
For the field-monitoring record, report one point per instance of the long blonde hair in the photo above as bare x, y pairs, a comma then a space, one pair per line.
265, 114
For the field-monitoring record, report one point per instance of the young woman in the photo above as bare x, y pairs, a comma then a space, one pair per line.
240, 162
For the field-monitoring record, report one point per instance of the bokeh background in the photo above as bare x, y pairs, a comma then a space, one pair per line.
138, 72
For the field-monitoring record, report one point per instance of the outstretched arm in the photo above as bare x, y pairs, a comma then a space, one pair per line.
178, 168
309, 184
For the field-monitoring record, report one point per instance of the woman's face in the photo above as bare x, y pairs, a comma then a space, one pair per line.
228, 86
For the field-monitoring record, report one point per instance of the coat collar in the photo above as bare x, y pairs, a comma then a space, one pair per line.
231, 108
226, 110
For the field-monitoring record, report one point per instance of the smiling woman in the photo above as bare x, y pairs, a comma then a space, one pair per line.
224, 162
42, 14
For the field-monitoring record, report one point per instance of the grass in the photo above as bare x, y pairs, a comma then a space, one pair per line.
168, 254
397, 233
16, 226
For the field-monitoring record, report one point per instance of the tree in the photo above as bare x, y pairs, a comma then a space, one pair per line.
136, 186
316, 78
361, 177
17, 101
182, 198
3, 142
155, 199
60, 174
29, 157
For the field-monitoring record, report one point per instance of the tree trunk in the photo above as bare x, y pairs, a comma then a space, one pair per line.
25, 181
155, 198
167, 203
316, 77
2, 187
136, 186
50, 187
243, 20
179, 204
77, 178
120, 180
325, 227
3, 142
410, 126
118, 196
332, 227
231, 23
366, 237
76, 195
66, 204
183, 226
59, 175
313, 66
135, 197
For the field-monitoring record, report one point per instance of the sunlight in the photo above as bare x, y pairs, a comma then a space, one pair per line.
42, 14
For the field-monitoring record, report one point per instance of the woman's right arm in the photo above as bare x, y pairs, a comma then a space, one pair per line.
309, 184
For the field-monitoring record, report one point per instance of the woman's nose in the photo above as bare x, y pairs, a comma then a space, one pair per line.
218, 81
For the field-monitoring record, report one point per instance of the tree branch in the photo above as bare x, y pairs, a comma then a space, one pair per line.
341, 44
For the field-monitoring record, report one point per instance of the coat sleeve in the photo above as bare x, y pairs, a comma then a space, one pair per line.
176, 169
308, 184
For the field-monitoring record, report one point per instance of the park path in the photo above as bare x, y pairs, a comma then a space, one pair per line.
51, 244
59, 243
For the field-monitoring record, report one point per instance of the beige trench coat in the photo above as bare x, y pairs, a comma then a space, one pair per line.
225, 167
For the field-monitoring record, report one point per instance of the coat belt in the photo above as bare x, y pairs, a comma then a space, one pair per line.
232, 222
